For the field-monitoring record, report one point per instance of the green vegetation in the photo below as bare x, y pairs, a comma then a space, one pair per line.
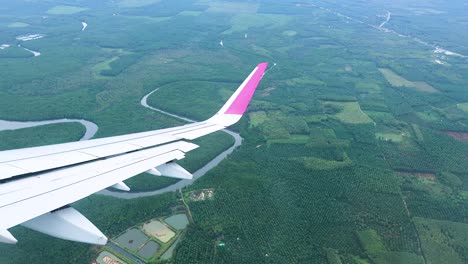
347, 112
356, 135
463, 106
398, 81
229, 7
322, 164
105, 65
257, 118
243, 22
190, 13
371, 242
394, 137
41, 135
293, 139
136, 3
65, 10
375, 249
18, 25
443, 241
290, 33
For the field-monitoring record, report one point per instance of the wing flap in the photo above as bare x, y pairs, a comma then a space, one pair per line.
8, 171
58, 188
99, 149
55, 160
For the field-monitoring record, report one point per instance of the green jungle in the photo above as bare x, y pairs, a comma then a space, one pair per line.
355, 146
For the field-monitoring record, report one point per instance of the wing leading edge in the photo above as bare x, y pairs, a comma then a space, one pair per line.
38, 184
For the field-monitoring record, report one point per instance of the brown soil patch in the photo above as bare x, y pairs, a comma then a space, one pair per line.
267, 91
462, 136
423, 175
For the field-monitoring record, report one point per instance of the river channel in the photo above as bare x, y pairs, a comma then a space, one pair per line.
182, 183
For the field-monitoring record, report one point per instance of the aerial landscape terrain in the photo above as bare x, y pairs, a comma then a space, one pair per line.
353, 150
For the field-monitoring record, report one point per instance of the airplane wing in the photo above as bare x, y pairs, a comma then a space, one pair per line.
38, 184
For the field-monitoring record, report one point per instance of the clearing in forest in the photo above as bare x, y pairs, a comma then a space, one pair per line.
349, 112
422, 175
398, 81
463, 107
65, 10
462, 136
18, 25
257, 118
375, 249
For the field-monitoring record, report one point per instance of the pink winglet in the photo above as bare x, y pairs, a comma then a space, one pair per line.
239, 105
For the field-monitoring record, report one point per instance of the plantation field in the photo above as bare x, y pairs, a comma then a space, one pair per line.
18, 25
443, 241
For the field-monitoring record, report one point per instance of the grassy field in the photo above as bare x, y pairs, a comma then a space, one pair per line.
397, 81
257, 118
376, 250
463, 106
18, 25
65, 10
349, 112
102, 66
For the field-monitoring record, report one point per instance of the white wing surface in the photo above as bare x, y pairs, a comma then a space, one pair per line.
38, 184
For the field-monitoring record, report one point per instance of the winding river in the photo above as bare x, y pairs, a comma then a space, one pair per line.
182, 183
91, 128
